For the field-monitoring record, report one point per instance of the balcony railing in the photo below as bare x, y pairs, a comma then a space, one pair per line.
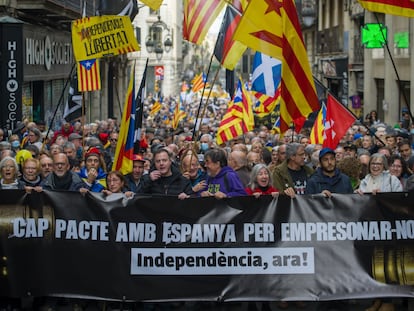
330, 41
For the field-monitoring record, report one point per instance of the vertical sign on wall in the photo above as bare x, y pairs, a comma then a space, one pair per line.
11, 73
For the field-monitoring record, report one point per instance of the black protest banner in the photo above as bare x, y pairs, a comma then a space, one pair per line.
307, 248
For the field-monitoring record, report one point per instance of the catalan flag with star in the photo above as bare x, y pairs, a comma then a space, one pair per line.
273, 28
89, 75
239, 118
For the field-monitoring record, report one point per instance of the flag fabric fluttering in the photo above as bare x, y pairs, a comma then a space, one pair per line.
179, 114
156, 107
265, 104
89, 76
140, 143
275, 31
153, 4
239, 117
338, 120
227, 51
73, 107
199, 15
198, 82
266, 74
118, 7
317, 135
394, 7
123, 160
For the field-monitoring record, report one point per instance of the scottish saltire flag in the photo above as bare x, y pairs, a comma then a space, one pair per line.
267, 74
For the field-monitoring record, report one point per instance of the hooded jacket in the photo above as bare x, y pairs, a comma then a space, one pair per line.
339, 183
226, 181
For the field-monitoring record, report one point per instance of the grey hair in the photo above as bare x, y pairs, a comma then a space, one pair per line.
8, 158
379, 156
255, 171
292, 149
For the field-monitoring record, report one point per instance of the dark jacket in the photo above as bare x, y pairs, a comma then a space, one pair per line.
130, 182
244, 175
225, 181
170, 185
75, 185
339, 183
282, 179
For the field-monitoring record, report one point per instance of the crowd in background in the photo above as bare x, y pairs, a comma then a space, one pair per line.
372, 157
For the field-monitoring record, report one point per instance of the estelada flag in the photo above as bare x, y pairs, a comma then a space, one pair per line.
89, 75
273, 28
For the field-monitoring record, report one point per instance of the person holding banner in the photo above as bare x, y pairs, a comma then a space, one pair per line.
291, 176
261, 182
116, 185
62, 178
222, 180
9, 172
328, 179
379, 178
164, 178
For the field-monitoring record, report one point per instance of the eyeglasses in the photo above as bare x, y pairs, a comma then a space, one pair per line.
113, 139
396, 166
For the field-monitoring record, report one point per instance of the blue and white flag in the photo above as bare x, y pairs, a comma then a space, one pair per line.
267, 73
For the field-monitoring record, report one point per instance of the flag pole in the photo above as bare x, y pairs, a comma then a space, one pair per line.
396, 71
201, 100
197, 131
58, 105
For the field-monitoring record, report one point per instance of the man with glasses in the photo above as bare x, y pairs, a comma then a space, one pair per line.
62, 178
291, 176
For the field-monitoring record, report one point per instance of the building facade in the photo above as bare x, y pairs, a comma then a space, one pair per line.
363, 79
160, 36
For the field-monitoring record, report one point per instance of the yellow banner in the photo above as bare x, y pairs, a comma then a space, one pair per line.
99, 36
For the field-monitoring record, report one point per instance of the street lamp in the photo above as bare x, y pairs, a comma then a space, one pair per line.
154, 41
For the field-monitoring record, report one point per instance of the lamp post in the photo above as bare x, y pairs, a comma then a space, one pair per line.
154, 41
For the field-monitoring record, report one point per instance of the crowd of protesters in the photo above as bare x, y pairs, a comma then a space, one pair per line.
372, 157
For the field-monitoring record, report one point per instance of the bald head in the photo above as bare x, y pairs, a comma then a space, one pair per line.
237, 159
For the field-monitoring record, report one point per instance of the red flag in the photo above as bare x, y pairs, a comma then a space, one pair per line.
338, 120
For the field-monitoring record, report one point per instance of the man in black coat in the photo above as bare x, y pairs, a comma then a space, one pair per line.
165, 178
